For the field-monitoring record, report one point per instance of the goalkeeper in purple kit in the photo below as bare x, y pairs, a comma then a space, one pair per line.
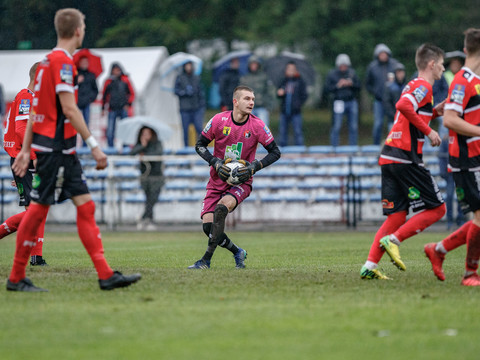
237, 134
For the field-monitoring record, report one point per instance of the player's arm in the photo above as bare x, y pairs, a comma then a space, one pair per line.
20, 165
406, 107
218, 164
244, 174
72, 112
453, 121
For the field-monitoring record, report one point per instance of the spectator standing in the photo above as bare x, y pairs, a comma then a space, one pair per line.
393, 90
293, 93
87, 89
118, 94
228, 81
343, 83
191, 97
257, 80
2, 102
377, 76
455, 61
152, 177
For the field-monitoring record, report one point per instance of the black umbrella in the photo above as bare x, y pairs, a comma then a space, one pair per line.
275, 68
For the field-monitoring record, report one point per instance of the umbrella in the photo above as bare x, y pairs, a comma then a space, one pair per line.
275, 68
223, 63
94, 61
173, 66
127, 129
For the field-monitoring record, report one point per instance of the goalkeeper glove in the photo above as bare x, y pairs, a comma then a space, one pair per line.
245, 173
221, 168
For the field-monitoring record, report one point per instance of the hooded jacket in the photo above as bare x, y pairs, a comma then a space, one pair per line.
190, 93
377, 72
117, 90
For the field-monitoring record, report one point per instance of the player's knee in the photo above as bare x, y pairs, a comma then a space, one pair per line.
220, 213
86, 210
441, 211
207, 228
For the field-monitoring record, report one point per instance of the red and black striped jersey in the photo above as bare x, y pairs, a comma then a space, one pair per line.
464, 98
17, 123
404, 143
52, 131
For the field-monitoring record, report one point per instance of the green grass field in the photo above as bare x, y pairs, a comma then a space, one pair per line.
300, 298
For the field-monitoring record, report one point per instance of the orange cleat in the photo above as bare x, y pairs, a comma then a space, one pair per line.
436, 258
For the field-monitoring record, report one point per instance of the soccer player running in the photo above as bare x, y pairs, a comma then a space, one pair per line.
462, 117
236, 134
51, 131
405, 181
12, 143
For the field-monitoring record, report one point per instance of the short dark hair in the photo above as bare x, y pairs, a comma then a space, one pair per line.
67, 21
426, 53
472, 41
241, 88
33, 70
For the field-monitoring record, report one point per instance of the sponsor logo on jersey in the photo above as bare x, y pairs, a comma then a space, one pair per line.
420, 93
66, 74
8, 144
247, 134
406, 89
413, 193
477, 88
38, 118
208, 126
20, 189
387, 204
224, 118
24, 106
226, 130
234, 151
466, 75
267, 130
458, 94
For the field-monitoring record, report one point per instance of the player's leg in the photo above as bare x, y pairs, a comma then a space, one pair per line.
471, 277
420, 188
26, 239
436, 252
36, 256
392, 223
11, 225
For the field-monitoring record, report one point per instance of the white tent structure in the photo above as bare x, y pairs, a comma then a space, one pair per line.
141, 64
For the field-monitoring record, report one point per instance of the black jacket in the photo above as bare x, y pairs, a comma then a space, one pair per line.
87, 89
190, 93
229, 80
293, 104
344, 93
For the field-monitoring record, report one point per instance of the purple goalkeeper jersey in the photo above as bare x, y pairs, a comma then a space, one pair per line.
235, 141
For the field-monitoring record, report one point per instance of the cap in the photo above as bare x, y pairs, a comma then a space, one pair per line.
342, 59
381, 48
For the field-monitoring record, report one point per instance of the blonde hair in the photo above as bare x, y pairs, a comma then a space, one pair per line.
67, 21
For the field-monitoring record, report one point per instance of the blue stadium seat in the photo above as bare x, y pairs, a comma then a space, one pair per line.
298, 149
321, 149
347, 149
188, 150
370, 149
110, 150
330, 197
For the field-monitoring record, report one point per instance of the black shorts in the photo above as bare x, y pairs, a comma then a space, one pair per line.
24, 184
58, 177
467, 187
407, 186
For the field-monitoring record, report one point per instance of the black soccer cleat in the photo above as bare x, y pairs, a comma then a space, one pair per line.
118, 280
37, 260
24, 285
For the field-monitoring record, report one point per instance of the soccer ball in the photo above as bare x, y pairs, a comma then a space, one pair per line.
233, 178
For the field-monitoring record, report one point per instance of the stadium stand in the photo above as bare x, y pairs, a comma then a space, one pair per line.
308, 184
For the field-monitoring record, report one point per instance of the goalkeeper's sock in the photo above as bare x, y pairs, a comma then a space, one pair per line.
390, 225
416, 224
11, 224
218, 225
455, 239
228, 244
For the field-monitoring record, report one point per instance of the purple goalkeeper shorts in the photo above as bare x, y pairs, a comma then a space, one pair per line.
213, 196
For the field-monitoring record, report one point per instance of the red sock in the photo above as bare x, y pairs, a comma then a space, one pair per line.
473, 248
420, 222
91, 238
457, 238
391, 224
34, 216
38, 249
11, 224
